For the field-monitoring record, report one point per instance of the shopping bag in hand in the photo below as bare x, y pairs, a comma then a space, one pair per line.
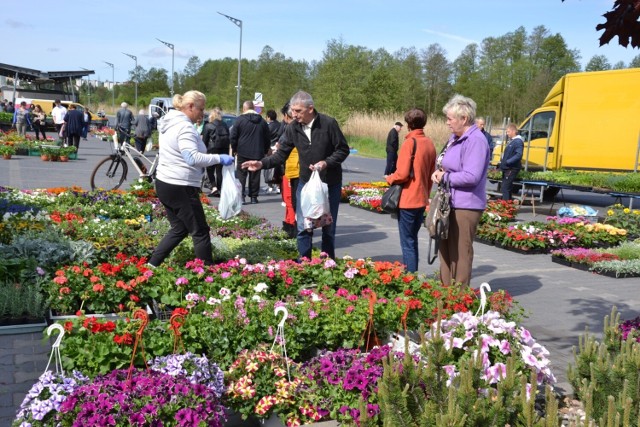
314, 197
230, 195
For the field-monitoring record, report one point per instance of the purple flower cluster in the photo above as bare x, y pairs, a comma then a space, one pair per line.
631, 327
339, 379
149, 398
43, 401
197, 369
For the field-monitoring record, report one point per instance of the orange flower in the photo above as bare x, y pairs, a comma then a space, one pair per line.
98, 287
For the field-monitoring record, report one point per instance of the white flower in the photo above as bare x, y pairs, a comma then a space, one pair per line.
260, 287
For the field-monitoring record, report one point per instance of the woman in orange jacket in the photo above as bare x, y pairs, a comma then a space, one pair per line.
416, 163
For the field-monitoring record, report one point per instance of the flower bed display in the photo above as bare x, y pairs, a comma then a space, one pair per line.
618, 262
542, 237
365, 195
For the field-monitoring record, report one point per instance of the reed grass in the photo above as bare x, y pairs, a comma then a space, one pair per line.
367, 132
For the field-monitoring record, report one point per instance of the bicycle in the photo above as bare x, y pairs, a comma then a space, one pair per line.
112, 171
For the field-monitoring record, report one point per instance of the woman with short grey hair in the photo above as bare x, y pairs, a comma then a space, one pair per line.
463, 165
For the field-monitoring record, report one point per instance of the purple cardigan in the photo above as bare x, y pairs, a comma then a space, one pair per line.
465, 164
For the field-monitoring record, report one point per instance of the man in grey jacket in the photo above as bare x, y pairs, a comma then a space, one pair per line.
250, 140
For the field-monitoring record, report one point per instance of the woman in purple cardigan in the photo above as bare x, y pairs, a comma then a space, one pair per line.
463, 164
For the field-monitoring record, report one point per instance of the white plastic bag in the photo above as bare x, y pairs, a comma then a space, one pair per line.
149, 145
314, 198
230, 195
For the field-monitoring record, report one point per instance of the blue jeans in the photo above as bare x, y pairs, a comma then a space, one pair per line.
409, 223
305, 238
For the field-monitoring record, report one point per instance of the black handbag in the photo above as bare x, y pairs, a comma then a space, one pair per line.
391, 197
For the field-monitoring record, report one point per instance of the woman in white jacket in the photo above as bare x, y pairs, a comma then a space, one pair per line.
183, 158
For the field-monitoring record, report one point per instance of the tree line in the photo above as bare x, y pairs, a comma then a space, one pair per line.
507, 76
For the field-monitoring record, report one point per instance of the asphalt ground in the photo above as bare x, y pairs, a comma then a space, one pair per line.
560, 301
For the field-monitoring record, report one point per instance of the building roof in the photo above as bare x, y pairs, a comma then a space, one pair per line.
37, 76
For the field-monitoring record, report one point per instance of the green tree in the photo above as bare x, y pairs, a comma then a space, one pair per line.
635, 62
437, 77
408, 72
598, 63
339, 78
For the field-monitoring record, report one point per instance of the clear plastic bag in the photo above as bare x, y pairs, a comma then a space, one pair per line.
314, 198
230, 195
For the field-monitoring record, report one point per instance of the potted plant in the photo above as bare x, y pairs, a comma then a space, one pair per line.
258, 385
7, 150
66, 152
48, 153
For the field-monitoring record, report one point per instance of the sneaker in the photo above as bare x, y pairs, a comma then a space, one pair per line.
284, 205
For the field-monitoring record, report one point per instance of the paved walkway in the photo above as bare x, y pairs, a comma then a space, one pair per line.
560, 301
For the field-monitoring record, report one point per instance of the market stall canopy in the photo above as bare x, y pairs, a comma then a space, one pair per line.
37, 76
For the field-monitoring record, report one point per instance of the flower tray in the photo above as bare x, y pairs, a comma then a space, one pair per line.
34, 152
21, 326
615, 275
580, 266
485, 241
22, 151
523, 251
368, 209
561, 261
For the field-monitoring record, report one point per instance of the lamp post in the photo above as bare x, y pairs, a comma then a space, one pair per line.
113, 84
135, 74
88, 88
170, 46
238, 23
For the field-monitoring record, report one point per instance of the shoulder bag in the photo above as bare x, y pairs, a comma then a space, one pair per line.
437, 219
391, 197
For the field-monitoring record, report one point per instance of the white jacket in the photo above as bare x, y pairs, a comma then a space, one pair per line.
183, 155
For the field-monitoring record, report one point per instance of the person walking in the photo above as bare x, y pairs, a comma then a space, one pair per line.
511, 162
216, 138
22, 118
416, 163
250, 140
39, 122
124, 119
290, 178
393, 141
87, 123
462, 165
321, 146
73, 124
480, 122
143, 131
58, 112
183, 157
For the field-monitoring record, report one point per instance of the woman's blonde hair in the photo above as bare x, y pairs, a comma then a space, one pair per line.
216, 114
193, 96
461, 106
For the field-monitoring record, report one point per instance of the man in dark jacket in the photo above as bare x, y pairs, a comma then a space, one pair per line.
250, 140
393, 143
124, 119
511, 160
322, 147
73, 125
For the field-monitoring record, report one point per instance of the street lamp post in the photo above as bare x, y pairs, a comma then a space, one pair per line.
238, 23
113, 84
88, 88
170, 46
135, 74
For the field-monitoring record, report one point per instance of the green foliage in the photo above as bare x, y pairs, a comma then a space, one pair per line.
416, 394
606, 375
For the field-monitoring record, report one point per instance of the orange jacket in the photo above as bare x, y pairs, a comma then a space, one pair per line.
416, 190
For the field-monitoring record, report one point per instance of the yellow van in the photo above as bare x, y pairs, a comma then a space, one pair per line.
48, 104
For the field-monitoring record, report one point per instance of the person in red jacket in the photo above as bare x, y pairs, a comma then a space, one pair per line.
416, 163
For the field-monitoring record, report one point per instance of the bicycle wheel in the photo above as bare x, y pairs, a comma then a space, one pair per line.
109, 174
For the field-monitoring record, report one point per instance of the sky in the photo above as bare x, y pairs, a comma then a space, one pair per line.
66, 36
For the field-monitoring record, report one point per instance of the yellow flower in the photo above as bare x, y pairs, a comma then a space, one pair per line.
626, 210
610, 212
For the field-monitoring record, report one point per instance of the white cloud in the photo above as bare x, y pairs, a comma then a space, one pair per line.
450, 36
